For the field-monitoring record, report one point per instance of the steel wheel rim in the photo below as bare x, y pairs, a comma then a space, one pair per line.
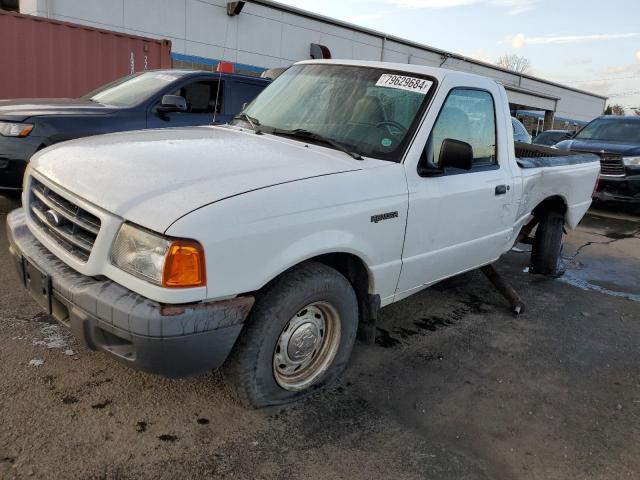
306, 346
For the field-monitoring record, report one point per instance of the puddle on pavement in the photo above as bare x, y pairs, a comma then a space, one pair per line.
610, 226
621, 236
607, 274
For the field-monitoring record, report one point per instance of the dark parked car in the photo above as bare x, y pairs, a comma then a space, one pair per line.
616, 140
153, 99
551, 137
520, 133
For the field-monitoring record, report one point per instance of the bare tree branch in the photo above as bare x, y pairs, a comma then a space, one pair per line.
514, 62
614, 110
617, 110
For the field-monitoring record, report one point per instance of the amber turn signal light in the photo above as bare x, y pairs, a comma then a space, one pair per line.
26, 130
184, 265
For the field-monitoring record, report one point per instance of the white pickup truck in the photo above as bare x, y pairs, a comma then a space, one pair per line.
265, 245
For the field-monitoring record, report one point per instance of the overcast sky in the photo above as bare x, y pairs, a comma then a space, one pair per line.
589, 44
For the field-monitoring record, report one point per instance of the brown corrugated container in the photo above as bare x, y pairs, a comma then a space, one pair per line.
49, 58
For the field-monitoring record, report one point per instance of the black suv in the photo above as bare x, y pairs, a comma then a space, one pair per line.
616, 140
152, 99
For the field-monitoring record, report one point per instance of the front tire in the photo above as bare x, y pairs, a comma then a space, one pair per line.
547, 245
298, 338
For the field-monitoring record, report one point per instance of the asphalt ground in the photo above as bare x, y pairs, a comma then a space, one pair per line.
454, 388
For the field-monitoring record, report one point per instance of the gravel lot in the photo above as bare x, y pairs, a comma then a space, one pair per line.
455, 388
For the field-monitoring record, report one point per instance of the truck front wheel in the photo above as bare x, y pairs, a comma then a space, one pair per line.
299, 337
547, 245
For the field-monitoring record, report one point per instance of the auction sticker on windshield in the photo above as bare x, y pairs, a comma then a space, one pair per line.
411, 84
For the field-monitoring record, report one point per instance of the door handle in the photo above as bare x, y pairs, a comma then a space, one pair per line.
501, 189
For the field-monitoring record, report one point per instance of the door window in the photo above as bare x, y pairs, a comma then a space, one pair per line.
469, 116
202, 97
242, 93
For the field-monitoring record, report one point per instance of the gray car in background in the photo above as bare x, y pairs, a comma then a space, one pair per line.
551, 137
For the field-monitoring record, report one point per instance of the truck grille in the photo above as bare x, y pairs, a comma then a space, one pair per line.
611, 164
72, 227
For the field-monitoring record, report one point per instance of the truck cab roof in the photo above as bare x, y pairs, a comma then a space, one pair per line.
437, 72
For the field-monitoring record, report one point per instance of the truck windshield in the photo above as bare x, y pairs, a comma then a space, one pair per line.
612, 130
132, 90
367, 111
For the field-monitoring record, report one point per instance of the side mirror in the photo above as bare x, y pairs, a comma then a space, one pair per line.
172, 103
456, 154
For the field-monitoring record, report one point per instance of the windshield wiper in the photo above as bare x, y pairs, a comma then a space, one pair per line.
254, 122
307, 135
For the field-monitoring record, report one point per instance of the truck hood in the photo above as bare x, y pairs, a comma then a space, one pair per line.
22, 109
154, 177
596, 146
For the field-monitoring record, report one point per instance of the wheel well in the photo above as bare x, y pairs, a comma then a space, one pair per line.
355, 270
551, 204
555, 204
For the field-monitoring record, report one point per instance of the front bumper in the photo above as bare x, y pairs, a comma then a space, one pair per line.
14, 157
169, 340
619, 189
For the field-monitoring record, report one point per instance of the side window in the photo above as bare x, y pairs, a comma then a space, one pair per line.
242, 93
201, 97
469, 116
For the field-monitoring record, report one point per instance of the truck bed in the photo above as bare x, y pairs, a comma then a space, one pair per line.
536, 156
548, 172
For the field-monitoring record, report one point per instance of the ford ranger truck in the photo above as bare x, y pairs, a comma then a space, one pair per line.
264, 246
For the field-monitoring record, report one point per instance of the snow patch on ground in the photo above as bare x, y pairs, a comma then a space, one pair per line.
54, 337
572, 279
36, 362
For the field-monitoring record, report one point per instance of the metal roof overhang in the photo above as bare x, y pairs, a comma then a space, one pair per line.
332, 21
531, 100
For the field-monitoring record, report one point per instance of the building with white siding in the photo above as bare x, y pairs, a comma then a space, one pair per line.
267, 34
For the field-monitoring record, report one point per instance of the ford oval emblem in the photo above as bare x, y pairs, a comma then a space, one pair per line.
53, 218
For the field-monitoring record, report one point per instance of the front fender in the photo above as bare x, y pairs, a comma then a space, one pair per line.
251, 238
316, 244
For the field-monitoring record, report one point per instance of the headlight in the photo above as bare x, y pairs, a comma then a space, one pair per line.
168, 262
9, 129
631, 161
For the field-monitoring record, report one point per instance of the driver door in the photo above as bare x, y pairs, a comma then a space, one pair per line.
458, 219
